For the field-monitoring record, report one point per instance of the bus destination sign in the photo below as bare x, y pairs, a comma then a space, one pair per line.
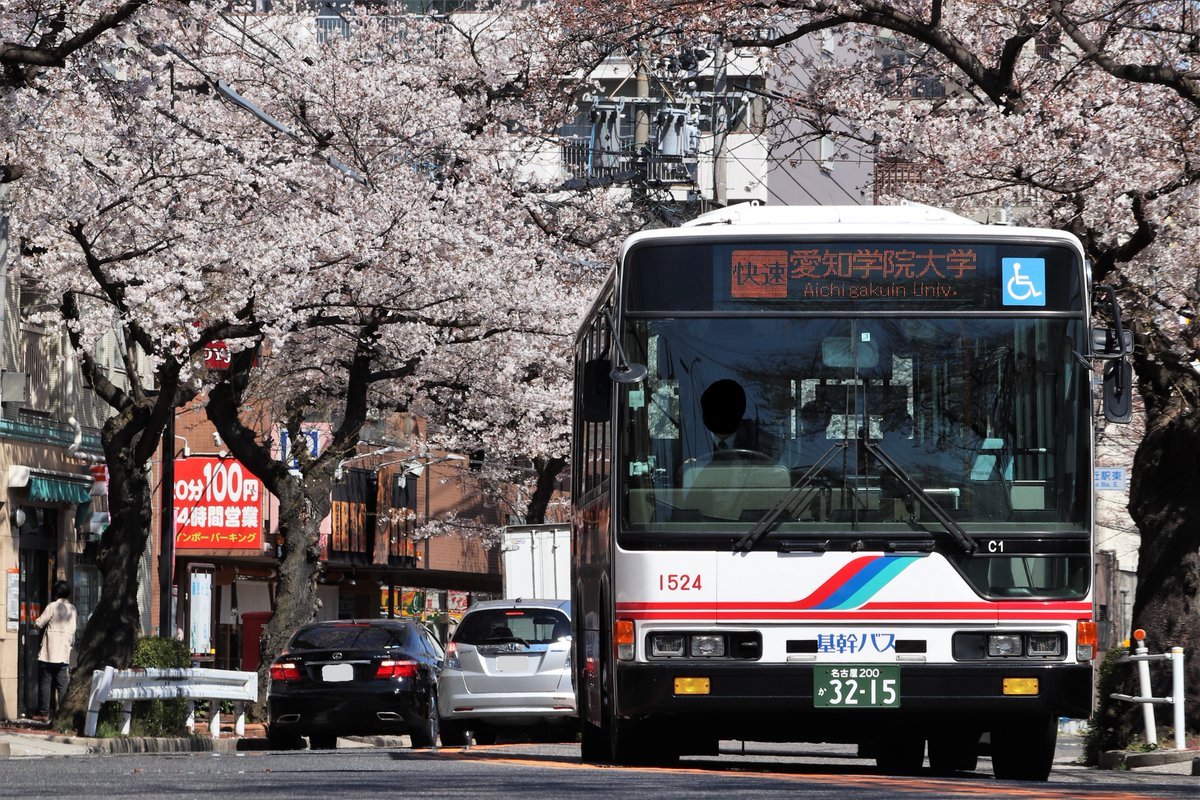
925, 273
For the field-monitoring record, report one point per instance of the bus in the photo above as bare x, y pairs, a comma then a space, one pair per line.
832, 482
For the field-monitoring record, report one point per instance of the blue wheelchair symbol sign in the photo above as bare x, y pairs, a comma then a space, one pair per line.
1024, 281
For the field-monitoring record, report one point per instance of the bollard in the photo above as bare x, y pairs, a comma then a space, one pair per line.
1143, 668
1143, 658
1177, 695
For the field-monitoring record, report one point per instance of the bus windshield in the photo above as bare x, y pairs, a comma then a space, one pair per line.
987, 416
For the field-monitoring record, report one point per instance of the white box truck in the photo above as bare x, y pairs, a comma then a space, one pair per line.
536, 562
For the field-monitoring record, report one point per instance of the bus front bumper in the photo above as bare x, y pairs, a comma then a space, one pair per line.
766, 690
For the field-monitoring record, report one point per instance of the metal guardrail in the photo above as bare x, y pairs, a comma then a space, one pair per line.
214, 685
1143, 657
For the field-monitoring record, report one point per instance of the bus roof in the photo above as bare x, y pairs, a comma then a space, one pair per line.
903, 221
905, 214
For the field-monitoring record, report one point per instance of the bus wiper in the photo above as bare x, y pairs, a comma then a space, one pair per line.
953, 528
771, 519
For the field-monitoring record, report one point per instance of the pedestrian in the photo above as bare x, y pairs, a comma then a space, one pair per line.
57, 623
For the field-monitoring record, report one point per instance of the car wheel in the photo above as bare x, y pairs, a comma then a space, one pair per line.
426, 734
322, 741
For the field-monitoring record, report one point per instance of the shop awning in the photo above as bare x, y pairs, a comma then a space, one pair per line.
59, 490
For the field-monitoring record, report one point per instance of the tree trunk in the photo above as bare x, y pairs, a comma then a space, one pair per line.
112, 630
300, 515
547, 477
1163, 504
305, 499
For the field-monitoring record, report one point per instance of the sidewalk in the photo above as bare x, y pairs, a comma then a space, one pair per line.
1156, 762
27, 739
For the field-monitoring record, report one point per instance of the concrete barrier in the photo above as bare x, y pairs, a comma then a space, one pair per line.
213, 685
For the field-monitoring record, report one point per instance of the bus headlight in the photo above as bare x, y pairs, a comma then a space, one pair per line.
708, 646
667, 645
1004, 645
1046, 645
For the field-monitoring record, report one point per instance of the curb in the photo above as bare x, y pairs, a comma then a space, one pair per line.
132, 745
380, 741
1123, 759
125, 745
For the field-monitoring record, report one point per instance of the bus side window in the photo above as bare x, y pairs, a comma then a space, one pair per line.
597, 390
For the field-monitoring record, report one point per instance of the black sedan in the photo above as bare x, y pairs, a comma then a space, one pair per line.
354, 678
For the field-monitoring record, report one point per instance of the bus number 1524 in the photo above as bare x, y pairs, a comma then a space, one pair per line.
678, 583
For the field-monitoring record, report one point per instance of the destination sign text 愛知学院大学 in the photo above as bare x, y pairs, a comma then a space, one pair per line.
823, 273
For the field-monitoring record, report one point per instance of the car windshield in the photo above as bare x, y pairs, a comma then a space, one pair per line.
500, 625
345, 637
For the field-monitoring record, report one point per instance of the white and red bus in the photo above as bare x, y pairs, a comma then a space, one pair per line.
833, 482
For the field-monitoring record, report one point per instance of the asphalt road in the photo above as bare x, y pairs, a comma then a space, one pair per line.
534, 771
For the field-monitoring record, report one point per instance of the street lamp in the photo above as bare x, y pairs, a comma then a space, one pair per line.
339, 473
417, 468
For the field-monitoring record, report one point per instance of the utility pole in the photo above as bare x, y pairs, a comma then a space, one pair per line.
720, 124
166, 553
641, 127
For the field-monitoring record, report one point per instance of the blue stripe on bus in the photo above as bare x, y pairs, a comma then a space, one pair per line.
866, 582
889, 570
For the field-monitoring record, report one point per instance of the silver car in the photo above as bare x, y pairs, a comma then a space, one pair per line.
508, 665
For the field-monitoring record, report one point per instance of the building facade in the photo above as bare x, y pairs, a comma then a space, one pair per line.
378, 558
50, 459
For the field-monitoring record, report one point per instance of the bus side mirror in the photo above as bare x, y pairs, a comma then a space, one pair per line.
596, 396
1106, 343
1118, 391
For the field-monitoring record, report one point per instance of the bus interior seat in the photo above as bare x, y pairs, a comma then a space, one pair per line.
725, 491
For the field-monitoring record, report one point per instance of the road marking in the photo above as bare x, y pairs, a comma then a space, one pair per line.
967, 787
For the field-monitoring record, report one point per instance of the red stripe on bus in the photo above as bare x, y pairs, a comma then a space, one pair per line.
1023, 606
816, 616
837, 581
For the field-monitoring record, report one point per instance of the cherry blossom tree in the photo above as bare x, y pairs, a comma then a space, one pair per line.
443, 236
133, 222
346, 207
1075, 114
510, 399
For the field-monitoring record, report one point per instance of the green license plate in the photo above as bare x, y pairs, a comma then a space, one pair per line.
859, 686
